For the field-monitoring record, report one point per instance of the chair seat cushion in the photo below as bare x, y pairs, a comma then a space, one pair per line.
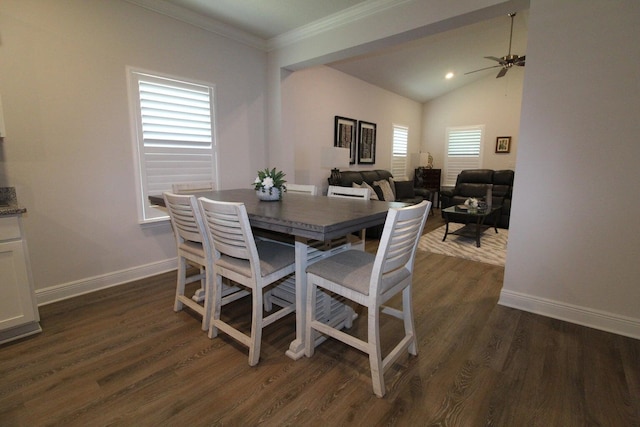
352, 269
273, 257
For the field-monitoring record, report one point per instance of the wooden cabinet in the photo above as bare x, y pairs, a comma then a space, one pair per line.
18, 310
429, 179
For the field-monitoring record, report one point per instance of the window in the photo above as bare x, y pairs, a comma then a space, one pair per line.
174, 139
464, 150
399, 155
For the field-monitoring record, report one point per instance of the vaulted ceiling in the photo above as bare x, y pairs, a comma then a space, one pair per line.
415, 70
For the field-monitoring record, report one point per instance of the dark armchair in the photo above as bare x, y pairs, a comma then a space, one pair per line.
475, 182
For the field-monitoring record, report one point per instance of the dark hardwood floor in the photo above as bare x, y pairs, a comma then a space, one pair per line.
123, 357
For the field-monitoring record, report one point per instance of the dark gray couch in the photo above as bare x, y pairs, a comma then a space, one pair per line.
404, 190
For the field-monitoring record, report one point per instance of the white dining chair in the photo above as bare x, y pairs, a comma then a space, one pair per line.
187, 229
191, 187
192, 248
352, 193
309, 189
371, 280
349, 192
255, 265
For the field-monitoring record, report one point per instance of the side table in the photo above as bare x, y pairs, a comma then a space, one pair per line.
429, 179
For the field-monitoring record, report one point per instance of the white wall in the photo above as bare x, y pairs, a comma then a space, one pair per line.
375, 28
494, 103
311, 99
574, 233
574, 237
69, 145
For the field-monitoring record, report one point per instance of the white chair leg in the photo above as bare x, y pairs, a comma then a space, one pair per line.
215, 308
208, 299
199, 294
268, 301
375, 356
256, 328
182, 279
407, 316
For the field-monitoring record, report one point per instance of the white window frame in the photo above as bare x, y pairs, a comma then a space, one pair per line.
162, 154
463, 150
399, 149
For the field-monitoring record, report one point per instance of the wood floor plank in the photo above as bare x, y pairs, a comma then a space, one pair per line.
123, 357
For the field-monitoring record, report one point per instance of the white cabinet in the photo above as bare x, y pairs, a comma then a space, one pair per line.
18, 309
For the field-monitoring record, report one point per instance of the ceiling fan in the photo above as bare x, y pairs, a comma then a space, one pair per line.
507, 61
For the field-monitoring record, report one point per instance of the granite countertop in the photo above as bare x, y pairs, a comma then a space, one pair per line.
9, 202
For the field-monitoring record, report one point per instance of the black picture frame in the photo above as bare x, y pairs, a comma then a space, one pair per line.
345, 135
503, 144
366, 143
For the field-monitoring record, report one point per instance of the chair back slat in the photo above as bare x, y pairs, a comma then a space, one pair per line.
398, 243
349, 192
185, 216
311, 190
227, 226
191, 187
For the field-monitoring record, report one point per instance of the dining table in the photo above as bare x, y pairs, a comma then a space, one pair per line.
313, 224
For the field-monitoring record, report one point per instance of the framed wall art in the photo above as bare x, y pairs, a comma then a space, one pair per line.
345, 135
503, 144
366, 143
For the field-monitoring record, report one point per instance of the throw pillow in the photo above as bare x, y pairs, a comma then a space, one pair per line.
378, 191
373, 194
404, 190
386, 190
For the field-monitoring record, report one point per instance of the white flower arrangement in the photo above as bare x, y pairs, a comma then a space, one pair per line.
267, 180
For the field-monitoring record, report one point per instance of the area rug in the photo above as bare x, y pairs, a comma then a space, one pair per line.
492, 250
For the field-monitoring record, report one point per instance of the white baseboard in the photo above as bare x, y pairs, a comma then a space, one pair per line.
96, 283
571, 313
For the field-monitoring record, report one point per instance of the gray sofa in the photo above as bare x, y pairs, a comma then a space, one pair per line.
404, 191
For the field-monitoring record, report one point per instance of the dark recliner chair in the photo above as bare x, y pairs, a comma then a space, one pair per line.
475, 182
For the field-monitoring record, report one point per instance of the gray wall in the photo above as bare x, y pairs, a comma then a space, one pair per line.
575, 234
574, 240
69, 149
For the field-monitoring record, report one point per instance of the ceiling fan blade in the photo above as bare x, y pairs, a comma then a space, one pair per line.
520, 61
482, 69
502, 72
499, 60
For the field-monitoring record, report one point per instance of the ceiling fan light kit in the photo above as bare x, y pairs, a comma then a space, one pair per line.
507, 61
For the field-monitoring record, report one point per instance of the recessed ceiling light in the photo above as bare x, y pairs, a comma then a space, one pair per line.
448, 76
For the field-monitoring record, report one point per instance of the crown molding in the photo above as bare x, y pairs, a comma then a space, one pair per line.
328, 23
200, 21
339, 19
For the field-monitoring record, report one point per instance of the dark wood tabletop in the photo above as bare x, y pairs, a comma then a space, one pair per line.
313, 217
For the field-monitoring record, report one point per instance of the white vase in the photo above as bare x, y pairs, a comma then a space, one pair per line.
264, 194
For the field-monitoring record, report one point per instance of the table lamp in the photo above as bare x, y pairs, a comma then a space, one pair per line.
424, 160
334, 158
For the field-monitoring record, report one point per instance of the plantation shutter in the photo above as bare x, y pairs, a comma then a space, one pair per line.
399, 155
464, 149
175, 135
